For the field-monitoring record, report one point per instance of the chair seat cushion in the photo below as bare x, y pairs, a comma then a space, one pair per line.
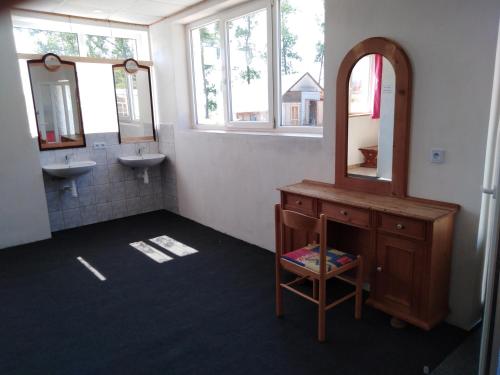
308, 257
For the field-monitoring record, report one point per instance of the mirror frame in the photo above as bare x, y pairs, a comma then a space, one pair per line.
77, 93
124, 66
402, 112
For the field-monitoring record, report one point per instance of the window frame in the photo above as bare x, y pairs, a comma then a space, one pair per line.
57, 23
274, 72
25, 19
223, 18
131, 118
253, 7
370, 89
280, 128
194, 110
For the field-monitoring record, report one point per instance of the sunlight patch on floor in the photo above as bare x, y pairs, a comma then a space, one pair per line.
173, 246
151, 252
87, 265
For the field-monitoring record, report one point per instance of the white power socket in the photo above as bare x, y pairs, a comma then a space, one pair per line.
437, 156
99, 145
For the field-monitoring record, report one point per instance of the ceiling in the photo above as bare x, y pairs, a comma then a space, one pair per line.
143, 12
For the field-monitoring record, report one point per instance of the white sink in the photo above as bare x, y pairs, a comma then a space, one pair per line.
142, 161
71, 170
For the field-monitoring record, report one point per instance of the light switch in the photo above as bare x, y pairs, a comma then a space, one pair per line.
437, 156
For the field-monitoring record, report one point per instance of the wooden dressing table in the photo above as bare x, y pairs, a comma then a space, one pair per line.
406, 244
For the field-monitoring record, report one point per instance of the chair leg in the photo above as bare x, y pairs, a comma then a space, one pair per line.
279, 291
321, 310
359, 289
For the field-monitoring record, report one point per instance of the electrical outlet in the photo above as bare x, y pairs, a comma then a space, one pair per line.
99, 145
437, 156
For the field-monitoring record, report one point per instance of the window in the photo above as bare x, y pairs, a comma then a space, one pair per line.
360, 87
127, 97
234, 84
207, 72
45, 41
72, 44
294, 115
302, 29
109, 47
231, 61
43, 34
248, 64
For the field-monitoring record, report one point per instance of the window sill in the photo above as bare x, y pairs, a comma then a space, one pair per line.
278, 133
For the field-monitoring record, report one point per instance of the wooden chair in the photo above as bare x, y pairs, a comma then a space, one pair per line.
306, 263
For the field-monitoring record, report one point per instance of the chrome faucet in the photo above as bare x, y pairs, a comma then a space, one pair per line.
67, 158
140, 150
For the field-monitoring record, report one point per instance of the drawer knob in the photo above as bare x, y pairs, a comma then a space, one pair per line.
379, 269
400, 226
298, 202
343, 212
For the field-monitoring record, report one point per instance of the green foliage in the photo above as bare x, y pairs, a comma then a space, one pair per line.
103, 46
96, 46
320, 50
249, 74
120, 78
60, 43
245, 44
208, 39
288, 40
121, 48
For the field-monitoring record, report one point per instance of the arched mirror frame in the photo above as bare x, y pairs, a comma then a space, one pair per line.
402, 108
136, 66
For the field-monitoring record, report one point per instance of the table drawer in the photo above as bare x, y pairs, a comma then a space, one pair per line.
402, 225
348, 214
299, 203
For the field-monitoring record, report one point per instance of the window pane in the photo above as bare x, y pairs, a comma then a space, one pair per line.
360, 86
43, 41
110, 47
207, 74
248, 67
302, 62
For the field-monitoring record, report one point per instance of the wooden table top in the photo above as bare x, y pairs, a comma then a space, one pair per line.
411, 207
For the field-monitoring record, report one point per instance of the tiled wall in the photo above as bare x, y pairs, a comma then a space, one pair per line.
111, 190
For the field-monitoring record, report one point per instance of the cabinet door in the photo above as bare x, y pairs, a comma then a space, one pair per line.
399, 273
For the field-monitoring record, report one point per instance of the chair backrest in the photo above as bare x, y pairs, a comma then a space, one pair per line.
302, 222
294, 220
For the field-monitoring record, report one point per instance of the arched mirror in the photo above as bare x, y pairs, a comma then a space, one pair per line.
373, 113
134, 106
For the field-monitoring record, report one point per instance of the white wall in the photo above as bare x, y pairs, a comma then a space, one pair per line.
23, 209
386, 133
228, 181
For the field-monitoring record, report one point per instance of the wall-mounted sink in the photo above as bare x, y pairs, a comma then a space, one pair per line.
142, 162
70, 170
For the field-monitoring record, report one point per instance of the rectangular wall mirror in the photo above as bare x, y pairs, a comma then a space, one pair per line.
134, 107
54, 85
